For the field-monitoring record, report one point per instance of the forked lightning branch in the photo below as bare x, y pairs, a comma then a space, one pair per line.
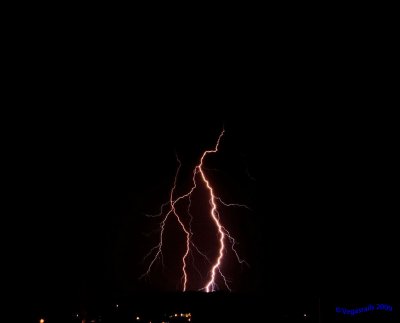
200, 179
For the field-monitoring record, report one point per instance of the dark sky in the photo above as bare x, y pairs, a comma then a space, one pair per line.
323, 198
321, 202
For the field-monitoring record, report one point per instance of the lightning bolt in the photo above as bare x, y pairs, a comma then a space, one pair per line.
158, 247
223, 234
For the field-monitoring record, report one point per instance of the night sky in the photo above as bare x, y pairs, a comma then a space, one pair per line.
319, 196
318, 178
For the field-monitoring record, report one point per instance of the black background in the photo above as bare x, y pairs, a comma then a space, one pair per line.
303, 115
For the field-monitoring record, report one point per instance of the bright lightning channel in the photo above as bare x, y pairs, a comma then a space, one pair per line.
223, 233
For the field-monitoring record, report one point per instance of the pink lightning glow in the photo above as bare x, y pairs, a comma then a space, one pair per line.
214, 214
223, 233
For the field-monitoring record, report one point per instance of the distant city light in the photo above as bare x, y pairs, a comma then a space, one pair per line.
41, 321
186, 315
137, 318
